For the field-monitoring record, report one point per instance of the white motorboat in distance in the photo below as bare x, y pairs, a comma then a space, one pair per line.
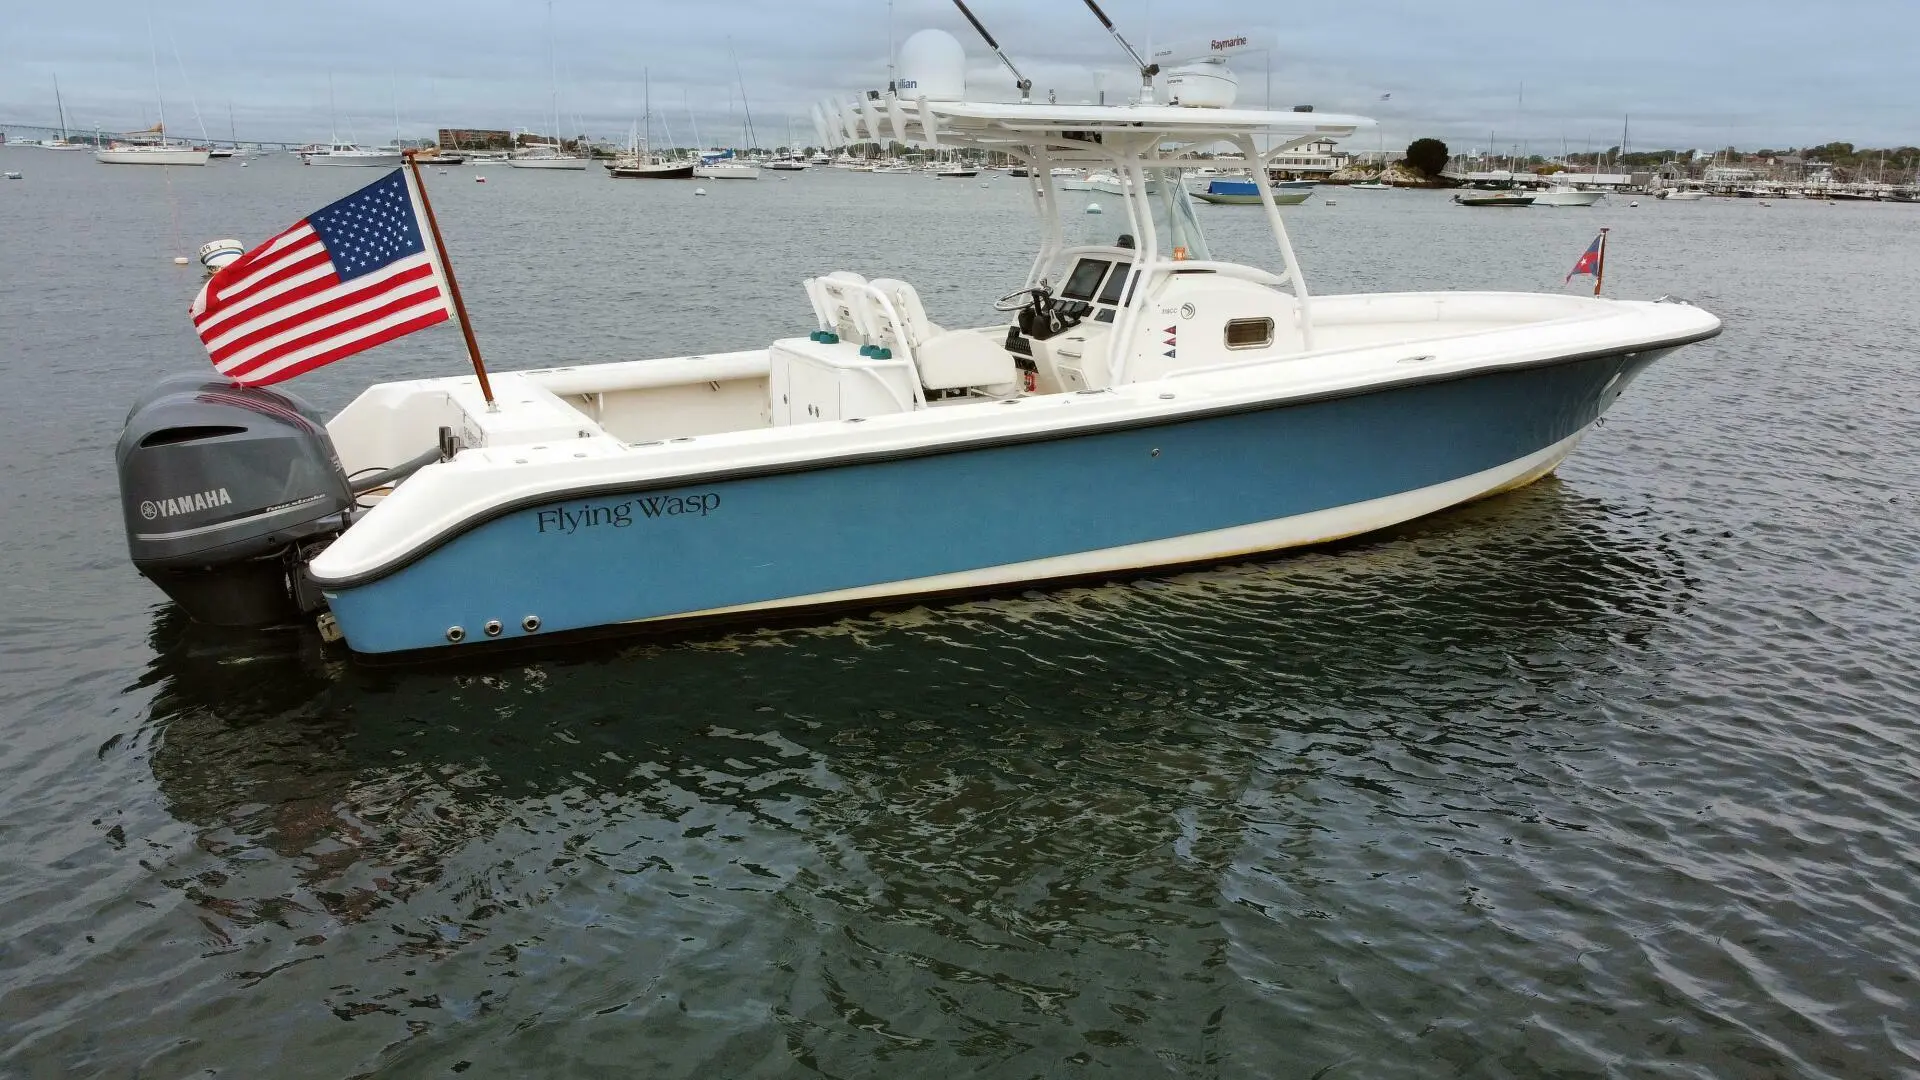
1566, 195
546, 157
350, 155
1138, 404
725, 169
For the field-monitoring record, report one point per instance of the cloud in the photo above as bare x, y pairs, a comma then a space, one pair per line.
1701, 74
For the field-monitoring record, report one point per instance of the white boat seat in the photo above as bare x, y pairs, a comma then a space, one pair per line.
916, 327
946, 359
822, 311
842, 304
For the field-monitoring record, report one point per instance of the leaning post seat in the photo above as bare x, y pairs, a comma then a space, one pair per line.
946, 359
840, 305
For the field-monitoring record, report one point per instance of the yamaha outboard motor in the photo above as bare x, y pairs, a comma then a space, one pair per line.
228, 491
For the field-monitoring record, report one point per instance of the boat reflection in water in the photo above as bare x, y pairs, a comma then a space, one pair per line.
1030, 827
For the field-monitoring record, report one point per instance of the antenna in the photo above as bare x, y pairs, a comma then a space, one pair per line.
1020, 82
1147, 71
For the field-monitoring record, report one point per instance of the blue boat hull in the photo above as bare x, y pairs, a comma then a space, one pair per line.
777, 540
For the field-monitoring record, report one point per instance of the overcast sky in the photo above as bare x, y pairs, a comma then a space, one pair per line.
1691, 73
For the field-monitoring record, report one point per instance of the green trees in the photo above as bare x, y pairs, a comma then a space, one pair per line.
1427, 155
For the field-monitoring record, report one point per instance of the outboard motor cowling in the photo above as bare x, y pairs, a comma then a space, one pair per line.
227, 491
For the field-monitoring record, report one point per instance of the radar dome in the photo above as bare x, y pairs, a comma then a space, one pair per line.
933, 66
1204, 83
1196, 71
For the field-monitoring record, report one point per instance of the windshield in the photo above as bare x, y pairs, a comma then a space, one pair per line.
1098, 215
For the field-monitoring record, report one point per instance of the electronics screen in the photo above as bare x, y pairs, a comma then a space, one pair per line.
1111, 294
1086, 278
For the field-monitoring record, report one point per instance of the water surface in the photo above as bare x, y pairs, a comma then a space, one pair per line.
1614, 775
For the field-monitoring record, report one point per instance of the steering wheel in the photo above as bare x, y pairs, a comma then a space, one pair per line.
1020, 298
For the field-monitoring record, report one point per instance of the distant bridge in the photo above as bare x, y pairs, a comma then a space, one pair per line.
15, 132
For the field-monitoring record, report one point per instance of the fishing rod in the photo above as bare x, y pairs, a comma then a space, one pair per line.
1147, 71
1020, 82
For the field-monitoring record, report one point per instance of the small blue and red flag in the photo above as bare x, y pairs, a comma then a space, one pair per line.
1593, 261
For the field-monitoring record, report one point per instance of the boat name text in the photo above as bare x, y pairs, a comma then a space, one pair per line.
185, 504
567, 520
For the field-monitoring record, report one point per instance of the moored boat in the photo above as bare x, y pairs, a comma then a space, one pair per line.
640, 162
546, 157
1153, 406
1244, 192
722, 165
1493, 198
150, 154
61, 143
652, 168
351, 155
1566, 195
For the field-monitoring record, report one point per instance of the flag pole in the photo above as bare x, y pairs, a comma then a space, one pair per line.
1599, 272
453, 287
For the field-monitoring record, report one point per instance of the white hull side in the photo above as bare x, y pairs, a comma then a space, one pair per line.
365, 161
726, 172
1568, 198
132, 156
1685, 196
1319, 527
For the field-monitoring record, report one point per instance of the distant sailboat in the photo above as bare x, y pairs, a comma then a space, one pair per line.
227, 152
642, 163
61, 143
793, 162
724, 166
555, 155
159, 152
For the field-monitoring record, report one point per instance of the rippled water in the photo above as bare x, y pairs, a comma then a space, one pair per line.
1614, 775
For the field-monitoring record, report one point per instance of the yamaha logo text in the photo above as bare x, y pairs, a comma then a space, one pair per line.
185, 504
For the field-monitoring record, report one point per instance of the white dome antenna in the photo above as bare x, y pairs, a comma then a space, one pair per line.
1197, 72
933, 66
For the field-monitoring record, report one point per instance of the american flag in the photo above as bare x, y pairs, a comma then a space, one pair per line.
350, 276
